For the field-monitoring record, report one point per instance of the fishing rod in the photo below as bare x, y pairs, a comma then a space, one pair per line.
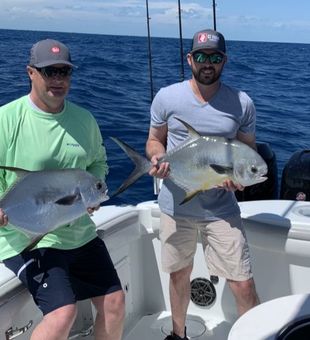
149, 49
180, 33
156, 183
181, 40
214, 15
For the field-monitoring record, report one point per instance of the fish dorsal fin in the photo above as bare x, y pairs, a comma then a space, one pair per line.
69, 200
191, 131
221, 169
20, 173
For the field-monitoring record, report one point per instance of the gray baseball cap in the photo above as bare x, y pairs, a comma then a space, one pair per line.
208, 39
49, 52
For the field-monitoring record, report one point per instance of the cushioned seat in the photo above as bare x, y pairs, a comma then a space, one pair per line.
266, 320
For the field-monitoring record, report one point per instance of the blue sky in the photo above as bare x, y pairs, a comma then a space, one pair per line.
252, 20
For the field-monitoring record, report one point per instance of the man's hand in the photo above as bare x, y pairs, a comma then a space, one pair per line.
159, 170
92, 210
3, 218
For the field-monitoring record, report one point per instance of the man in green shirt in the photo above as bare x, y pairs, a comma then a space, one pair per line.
43, 130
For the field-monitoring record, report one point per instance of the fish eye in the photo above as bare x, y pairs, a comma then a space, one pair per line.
99, 186
253, 169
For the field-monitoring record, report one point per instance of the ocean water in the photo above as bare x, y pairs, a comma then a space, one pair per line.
112, 81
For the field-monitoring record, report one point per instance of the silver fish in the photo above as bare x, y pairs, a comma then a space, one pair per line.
202, 162
41, 201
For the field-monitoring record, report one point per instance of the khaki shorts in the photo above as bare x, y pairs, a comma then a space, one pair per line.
223, 241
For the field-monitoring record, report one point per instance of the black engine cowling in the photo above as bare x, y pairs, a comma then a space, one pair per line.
268, 189
295, 183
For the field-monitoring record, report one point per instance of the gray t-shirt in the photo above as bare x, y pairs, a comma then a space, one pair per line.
228, 112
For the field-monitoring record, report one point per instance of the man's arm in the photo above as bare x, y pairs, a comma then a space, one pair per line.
156, 148
3, 218
247, 138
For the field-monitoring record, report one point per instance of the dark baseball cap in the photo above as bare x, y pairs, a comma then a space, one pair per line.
208, 39
49, 52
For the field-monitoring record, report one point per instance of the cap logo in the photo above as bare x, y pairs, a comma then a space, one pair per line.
55, 49
213, 37
202, 37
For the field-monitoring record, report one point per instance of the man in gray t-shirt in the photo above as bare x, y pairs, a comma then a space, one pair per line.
212, 108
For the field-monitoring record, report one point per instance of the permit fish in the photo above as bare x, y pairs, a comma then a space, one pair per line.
201, 163
41, 201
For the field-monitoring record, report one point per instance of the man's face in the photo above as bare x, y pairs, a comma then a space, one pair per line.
206, 65
50, 86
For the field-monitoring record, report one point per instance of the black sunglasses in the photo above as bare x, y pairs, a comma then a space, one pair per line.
51, 71
214, 58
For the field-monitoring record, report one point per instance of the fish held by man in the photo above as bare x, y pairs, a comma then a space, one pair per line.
201, 163
41, 201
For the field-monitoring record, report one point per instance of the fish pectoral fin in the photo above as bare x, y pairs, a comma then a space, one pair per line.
69, 200
221, 169
190, 195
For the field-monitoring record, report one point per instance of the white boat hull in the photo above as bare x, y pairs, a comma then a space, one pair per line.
279, 236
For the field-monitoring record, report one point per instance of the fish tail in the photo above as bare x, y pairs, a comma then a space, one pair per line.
142, 165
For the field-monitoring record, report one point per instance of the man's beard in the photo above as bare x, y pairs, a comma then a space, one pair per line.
206, 80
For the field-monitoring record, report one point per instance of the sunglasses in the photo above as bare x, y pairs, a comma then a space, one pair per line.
51, 71
214, 58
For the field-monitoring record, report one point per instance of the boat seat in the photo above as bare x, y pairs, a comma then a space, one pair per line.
267, 320
117, 225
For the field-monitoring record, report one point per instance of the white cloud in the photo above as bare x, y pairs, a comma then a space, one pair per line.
129, 17
161, 11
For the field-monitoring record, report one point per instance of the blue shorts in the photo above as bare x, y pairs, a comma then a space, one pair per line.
56, 278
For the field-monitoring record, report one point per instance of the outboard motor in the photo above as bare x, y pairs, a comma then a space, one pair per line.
266, 190
295, 183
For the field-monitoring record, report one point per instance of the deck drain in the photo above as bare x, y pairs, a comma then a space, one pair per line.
203, 292
195, 328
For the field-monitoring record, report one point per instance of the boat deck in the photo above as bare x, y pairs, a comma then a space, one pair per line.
158, 326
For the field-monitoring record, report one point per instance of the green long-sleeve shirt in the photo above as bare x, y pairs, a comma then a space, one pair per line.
35, 140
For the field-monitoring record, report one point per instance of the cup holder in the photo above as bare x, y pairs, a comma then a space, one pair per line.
303, 210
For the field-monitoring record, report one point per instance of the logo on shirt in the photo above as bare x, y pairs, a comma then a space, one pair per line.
75, 145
